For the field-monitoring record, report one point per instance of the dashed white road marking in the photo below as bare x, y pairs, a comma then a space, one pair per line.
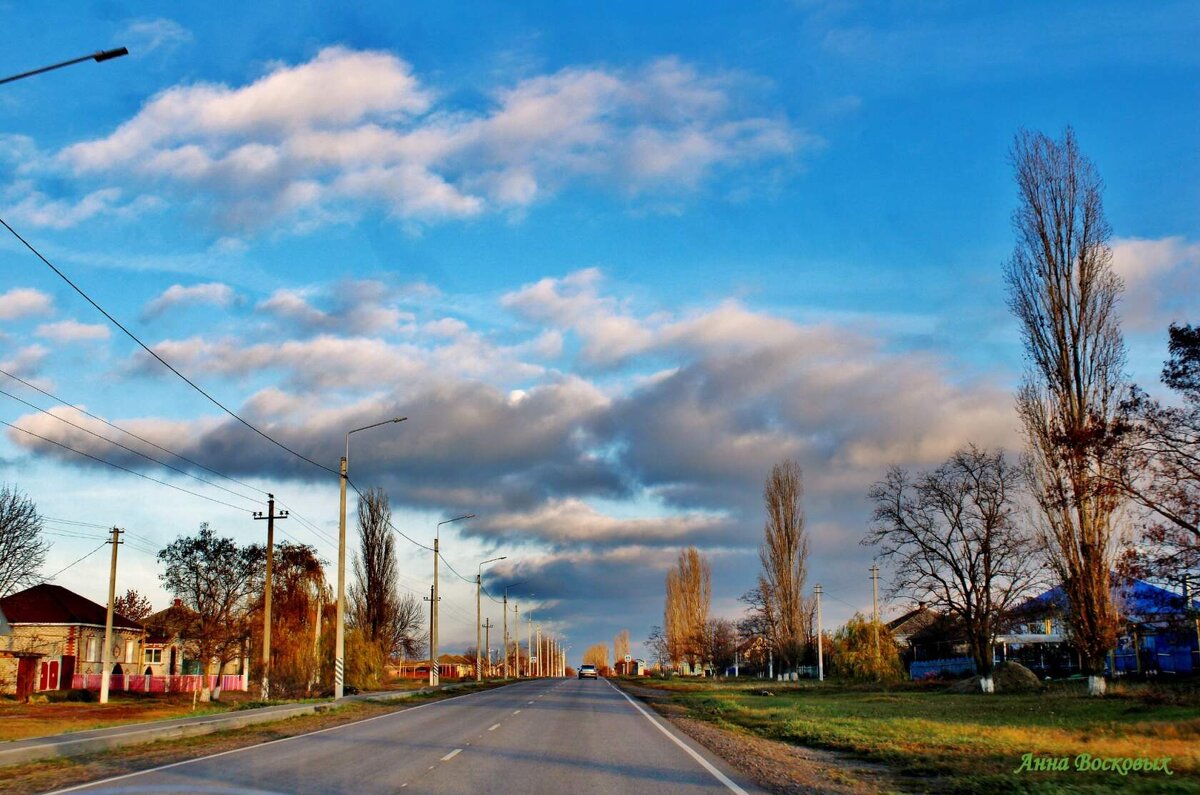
452, 754
516, 712
493, 728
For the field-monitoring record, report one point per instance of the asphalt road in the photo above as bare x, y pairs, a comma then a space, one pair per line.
543, 736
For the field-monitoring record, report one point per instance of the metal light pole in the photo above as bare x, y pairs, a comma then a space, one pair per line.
339, 653
98, 57
479, 617
820, 649
435, 670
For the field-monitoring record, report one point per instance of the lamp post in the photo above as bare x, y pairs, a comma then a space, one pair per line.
435, 670
99, 57
339, 656
479, 617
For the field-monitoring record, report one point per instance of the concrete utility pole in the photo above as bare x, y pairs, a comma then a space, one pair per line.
875, 605
487, 642
339, 644
266, 636
435, 669
432, 662
540, 670
112, 598
820, 646
529, 647
478, 616
505, 655
517, 639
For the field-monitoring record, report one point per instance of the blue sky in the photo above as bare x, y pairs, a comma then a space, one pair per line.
613, 261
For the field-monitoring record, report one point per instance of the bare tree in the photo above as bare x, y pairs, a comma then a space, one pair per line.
1162, 474
597, 655
133, 606
656, 642
951, 536
221, 582
720, 640
784, 611
1063, 291
22, 548
620, 646
689, 594
387, 618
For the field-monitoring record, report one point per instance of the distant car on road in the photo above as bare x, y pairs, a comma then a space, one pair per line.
588, 672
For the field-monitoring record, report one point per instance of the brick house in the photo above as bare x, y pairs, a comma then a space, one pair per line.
66, 631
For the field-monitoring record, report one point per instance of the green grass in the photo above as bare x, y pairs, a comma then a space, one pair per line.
967, 743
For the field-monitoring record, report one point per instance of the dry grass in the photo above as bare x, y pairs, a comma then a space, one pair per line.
966, 743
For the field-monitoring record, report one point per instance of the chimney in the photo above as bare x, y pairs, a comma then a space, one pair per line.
179, 603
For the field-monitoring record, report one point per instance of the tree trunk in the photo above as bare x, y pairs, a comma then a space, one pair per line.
1096, 685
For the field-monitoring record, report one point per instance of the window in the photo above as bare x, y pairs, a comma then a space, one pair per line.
91, 649
153, 656
128, 651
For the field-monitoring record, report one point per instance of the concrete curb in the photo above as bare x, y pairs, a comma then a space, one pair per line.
79, 743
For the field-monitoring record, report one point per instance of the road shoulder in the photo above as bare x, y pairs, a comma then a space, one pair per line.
775, 766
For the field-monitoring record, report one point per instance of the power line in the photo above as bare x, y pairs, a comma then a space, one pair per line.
81, 560
158, 358
183, 472
128, 432
124, 469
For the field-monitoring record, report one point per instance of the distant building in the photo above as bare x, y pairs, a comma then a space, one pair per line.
64, 633
633, 667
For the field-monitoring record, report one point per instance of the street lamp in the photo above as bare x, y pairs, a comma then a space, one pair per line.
435, 671
98, 57
479, 618
339, 657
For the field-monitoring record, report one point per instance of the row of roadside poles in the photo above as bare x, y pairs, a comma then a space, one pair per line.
555, 656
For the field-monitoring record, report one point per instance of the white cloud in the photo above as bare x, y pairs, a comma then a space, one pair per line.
278, 150
66, 331
214, 293
22, 302
37, 209
144, 36
1162, 281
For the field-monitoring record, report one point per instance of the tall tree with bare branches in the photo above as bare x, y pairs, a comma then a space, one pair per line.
785, 615
689, 595
620, 646
1063, 292
133, 605
953, 541
391, 621
22, 548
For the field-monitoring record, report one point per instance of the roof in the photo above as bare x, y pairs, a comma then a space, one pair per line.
1136, 599
176, 621
915, 620
54, 604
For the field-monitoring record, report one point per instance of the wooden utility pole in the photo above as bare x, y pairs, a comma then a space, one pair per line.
271, 516
108, 621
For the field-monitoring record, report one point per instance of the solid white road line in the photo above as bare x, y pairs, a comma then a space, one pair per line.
452, 754
263, 745
717, 774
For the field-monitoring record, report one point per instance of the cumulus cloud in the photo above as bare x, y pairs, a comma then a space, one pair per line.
22, 302
214, 293
37, 209
354, 307
1162, 280
67, 331
25, 362
277, 149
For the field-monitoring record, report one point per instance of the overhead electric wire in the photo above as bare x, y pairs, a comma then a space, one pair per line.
158, 358
125, 469
183, 472
81, 560
128, 432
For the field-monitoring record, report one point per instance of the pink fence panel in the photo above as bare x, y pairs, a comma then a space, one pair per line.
156, 684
